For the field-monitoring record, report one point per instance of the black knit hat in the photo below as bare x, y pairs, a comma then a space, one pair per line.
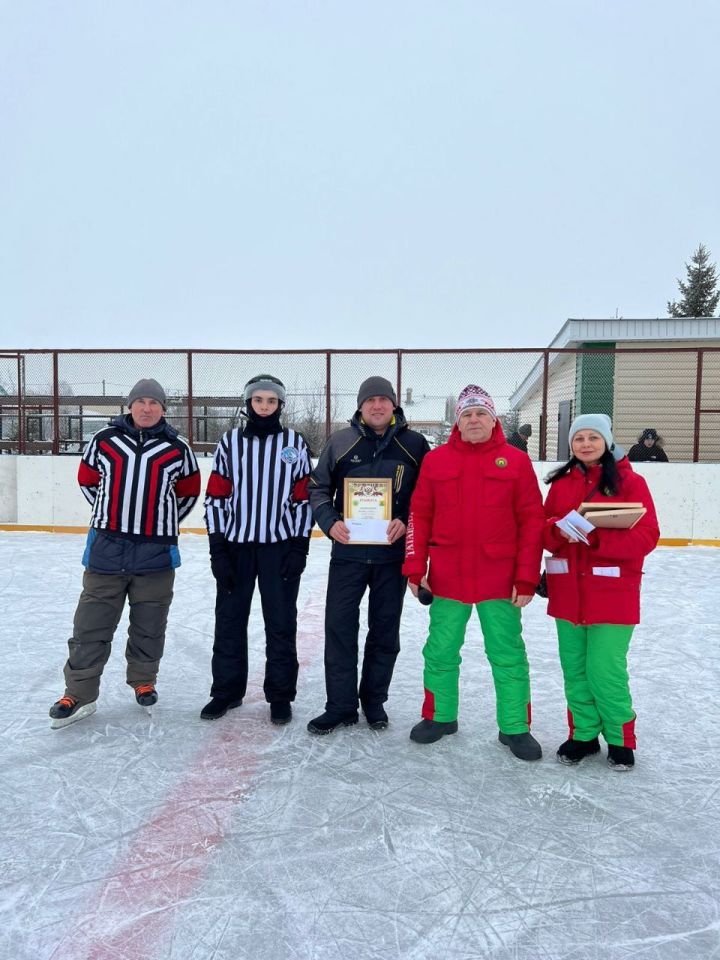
375, 387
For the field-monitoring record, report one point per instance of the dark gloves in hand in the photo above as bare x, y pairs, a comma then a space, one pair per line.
220, 563
295, 558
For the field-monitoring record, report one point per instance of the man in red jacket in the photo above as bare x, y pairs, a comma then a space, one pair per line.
477, 515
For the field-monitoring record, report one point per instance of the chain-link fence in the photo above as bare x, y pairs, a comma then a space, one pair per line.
53, 401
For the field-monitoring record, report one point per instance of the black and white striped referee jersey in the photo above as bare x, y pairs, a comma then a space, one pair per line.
257, 491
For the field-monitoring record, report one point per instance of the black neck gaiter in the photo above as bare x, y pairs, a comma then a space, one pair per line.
262, 427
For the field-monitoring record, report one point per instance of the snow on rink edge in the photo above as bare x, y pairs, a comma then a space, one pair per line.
162, 837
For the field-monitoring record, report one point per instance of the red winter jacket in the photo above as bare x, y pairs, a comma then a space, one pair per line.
602, 581
476, 514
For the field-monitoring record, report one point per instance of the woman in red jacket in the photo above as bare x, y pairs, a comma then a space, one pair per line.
594, 591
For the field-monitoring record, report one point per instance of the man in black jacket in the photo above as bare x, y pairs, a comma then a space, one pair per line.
520, 437
648, 449
378, 443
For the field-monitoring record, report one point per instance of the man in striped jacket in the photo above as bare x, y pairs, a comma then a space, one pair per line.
141, 480
258, 519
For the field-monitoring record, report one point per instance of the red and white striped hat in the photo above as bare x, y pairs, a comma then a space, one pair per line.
474, 396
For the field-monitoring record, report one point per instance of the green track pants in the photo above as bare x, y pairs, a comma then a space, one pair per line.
502, 631
594, 665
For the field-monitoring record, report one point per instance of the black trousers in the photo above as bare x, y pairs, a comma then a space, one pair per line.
347, 582
261, 562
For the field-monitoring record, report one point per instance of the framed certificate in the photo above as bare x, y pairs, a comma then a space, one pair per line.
368, 509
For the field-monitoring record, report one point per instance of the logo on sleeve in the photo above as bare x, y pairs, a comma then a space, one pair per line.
289, 455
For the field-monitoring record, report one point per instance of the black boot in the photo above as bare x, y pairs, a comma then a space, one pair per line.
327, 722
573, 751
428, 731
375, 715
524, 746
620, 758
218, 708
280, 712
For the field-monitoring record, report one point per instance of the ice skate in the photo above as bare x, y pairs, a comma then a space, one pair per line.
67, 710
146, 696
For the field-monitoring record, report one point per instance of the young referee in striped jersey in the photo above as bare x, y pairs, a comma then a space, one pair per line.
258, 520
142, 479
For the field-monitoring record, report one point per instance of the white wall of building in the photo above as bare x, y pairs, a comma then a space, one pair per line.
43, 492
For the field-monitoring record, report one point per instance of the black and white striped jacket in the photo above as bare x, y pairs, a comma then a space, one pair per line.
140, 482
257, 491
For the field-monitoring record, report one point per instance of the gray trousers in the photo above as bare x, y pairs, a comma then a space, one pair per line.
96, 618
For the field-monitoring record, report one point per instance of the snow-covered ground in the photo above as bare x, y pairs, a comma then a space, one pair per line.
127, 836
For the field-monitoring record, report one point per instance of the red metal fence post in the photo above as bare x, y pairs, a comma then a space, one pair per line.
542, 452
327, 394
56, 405
190, 397
21, 402
698, 402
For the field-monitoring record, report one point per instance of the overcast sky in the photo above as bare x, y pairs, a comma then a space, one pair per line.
338, 174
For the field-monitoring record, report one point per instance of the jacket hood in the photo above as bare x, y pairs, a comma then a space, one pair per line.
125, 423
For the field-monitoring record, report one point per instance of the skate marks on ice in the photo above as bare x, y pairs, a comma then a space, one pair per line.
160, 871
168, 838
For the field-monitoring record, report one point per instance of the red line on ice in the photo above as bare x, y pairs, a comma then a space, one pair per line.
169, 855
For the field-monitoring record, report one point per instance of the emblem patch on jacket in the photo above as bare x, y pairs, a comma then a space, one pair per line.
289, 455
501, 462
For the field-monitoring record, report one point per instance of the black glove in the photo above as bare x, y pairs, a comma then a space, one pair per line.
221, 564
296, 557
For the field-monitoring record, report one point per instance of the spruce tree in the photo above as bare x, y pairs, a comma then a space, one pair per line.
699, 296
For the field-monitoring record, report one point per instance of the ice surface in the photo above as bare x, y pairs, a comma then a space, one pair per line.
130, 836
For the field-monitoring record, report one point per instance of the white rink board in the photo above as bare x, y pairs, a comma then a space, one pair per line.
43, 491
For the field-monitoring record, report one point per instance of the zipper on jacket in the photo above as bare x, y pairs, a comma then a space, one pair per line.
136, 477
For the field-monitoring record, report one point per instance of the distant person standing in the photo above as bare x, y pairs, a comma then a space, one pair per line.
141, 479
648, 449
520, 437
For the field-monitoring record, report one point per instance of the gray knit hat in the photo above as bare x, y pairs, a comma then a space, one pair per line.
375, 387
147, 388
600, 423
265, 381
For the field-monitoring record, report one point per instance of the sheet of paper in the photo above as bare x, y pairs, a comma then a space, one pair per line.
575, 525
372, 531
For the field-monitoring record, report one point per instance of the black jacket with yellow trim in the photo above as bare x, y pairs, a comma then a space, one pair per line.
358, 451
